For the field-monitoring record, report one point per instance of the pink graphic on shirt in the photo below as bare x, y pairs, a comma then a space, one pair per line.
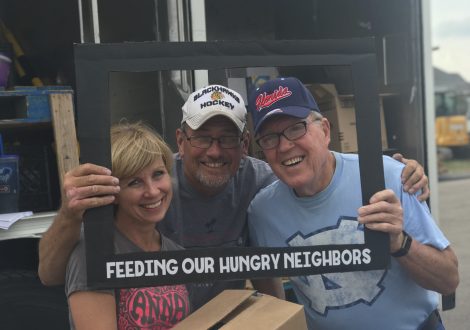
152, 308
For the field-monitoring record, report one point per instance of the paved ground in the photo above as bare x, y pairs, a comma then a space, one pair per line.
454, 216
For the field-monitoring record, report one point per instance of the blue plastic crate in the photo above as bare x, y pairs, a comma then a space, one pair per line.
28, 104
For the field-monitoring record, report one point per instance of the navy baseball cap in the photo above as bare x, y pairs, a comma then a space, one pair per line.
280, 96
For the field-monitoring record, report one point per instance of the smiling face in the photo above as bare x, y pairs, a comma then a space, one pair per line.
306, 164
145, 197
209, 170
142, 161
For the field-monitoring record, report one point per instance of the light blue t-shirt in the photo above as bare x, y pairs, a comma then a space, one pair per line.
378, 299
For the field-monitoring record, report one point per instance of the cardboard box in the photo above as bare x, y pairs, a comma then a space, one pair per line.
245, 309
340, 112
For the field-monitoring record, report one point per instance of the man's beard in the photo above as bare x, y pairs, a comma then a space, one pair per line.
212, 181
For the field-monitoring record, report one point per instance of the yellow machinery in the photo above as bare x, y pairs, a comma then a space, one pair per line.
451, 120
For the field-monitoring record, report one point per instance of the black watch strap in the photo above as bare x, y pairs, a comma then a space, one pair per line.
405, 246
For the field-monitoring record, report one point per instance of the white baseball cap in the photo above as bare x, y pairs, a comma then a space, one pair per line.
214, 100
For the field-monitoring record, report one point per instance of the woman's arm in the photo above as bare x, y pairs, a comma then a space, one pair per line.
93, 310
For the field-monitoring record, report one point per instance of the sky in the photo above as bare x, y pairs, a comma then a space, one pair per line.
450, 32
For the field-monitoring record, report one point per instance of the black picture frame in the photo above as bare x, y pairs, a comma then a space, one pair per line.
94, 63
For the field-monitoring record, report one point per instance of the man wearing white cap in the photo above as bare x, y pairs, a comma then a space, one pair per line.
214, 182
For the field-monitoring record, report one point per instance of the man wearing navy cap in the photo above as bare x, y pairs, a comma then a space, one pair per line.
317, 201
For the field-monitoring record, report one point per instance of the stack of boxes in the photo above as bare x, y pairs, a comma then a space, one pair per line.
340, 112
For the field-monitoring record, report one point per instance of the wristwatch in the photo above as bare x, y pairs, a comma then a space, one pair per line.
405, 246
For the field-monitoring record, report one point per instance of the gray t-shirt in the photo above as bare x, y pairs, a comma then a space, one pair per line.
219, 221
166, 305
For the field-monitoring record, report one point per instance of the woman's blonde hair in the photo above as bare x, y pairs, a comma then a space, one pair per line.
135, 146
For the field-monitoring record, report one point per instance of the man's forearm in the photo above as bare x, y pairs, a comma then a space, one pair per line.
55, 247
432, 269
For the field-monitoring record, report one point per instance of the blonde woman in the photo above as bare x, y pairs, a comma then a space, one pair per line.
141, 161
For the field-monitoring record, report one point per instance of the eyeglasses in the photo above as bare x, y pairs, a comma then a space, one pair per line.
205, 142
291, 133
